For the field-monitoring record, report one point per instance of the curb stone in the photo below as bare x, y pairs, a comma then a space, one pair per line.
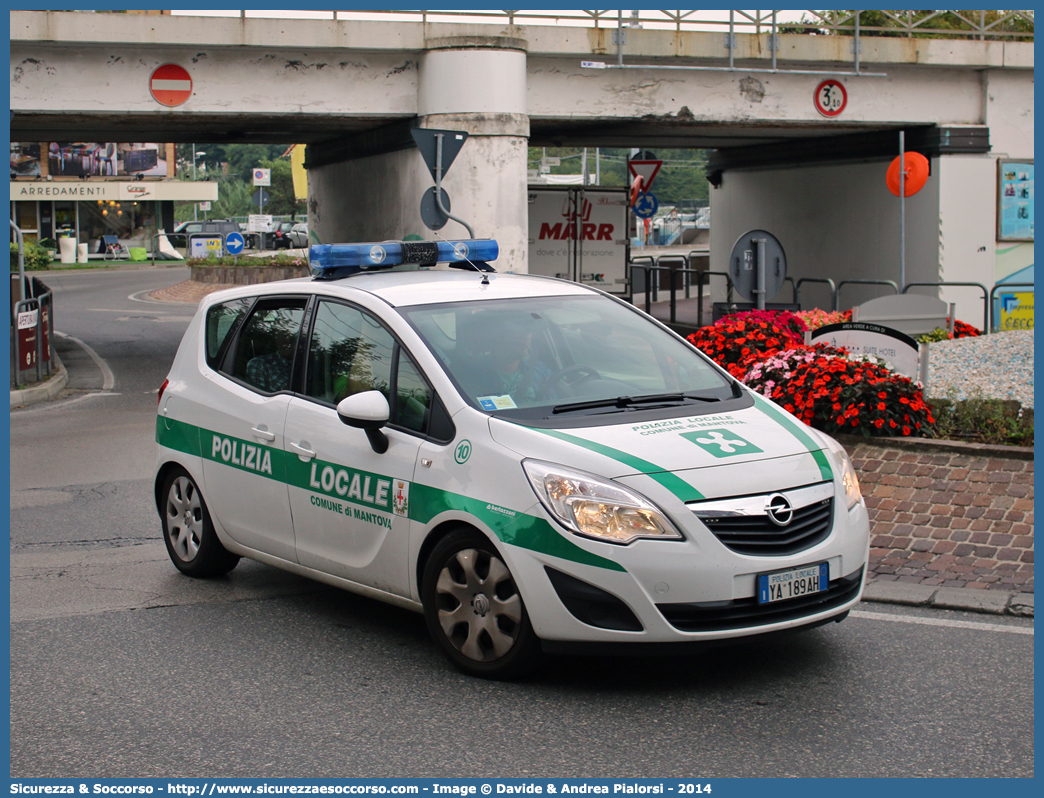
950, 598
43, 392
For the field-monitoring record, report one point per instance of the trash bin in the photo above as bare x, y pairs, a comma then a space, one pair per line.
67, 248
81, 253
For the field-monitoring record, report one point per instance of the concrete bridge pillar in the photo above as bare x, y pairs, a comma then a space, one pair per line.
471, 83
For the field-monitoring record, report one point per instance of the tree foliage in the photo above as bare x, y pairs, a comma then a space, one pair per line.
917, 24
232, 166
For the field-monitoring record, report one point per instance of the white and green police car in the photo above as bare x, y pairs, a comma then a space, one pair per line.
533, 464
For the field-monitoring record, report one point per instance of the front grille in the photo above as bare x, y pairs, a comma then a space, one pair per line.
756, 534
717, 616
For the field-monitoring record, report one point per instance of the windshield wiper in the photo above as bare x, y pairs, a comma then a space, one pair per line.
631, 402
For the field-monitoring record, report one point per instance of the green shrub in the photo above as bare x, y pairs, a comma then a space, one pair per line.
231, 260
983, 420
35, 256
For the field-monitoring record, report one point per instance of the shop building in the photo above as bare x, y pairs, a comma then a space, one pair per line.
91, 190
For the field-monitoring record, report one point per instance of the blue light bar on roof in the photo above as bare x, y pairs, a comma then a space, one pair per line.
343, 260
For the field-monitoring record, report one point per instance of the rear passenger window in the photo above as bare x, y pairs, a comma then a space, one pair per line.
266, 347
222, 322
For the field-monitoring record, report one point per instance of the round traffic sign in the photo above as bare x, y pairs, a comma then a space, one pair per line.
916, 174
234, 243
170, 85
830, 98
433, 218
743, 264
645, 206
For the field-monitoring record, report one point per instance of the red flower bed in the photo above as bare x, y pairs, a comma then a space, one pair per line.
964, 330
736, 342
821, 385
828, 391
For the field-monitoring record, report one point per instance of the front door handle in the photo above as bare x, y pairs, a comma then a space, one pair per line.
263, 434
303, 451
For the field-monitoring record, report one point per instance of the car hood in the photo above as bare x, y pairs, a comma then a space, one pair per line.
759, 447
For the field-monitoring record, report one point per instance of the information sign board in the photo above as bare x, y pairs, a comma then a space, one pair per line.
897, 349
1015, 200
207, 247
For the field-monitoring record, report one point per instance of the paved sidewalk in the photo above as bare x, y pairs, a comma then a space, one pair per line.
187, 291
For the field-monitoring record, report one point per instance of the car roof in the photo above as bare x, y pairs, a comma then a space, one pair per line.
422, 287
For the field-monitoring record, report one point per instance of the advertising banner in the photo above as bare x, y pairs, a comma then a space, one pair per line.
1016, 310
579, 234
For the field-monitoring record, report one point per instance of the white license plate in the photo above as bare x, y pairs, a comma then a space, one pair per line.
783, 585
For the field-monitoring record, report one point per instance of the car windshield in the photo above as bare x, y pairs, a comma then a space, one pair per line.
566, 357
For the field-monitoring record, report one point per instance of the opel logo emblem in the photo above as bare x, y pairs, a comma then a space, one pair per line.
779, 510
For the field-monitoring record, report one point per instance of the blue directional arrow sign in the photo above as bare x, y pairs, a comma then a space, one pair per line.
234, 243
645, 206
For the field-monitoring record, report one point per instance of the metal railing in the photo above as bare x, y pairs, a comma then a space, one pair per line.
979, 25
253, 241
980, 286
673, 271
827, 280
840, 285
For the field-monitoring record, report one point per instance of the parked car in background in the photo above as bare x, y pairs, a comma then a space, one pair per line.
299, 236
222, 226
280, 237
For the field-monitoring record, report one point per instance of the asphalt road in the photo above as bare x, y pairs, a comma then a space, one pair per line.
121, 667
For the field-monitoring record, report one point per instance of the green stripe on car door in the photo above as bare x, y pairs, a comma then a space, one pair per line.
426, 502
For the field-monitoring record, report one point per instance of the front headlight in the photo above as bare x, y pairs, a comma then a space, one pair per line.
590, 506
849, 480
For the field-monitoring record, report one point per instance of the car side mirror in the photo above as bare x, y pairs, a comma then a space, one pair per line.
368, 411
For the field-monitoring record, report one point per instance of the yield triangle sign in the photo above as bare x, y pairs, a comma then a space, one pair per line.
428, 143
646, 169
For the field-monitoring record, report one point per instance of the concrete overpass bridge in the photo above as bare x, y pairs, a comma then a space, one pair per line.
352, 88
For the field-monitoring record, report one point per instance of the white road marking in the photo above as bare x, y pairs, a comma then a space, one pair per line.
48, 407
119, 310
108, 379
982, 627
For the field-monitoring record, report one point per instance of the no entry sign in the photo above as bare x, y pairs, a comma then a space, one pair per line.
170, 85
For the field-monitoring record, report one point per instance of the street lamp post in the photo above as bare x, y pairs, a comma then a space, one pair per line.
195, 205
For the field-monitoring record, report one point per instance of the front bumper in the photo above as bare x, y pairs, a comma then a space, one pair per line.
691, 591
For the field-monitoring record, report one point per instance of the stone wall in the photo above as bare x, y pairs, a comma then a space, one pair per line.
246, 275
948, 514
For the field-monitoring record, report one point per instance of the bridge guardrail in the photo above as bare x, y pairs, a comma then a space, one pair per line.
938, 23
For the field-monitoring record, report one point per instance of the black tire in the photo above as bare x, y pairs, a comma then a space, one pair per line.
188, 532
474, 610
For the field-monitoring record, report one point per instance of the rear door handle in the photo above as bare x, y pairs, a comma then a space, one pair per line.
302, 451
262, 434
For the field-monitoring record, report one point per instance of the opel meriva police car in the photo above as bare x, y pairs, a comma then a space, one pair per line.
531, 463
